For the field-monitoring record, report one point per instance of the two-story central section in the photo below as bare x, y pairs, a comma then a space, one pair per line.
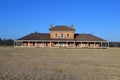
62, 36
62, 32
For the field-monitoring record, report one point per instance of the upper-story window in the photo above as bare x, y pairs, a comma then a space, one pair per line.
68, 35
56, 35
62, 35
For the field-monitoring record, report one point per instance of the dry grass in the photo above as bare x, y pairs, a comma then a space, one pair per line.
59, 64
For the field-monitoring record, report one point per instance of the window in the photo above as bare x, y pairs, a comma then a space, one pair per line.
68, 35
62, 35
55, 44
88, 44
33, 44
27, 44
46, 44
68, 43
56, 35
18, 43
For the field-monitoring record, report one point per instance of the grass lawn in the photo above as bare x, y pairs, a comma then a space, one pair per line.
59, 64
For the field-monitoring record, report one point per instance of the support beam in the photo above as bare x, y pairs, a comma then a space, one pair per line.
59, 44
67, 44
43, 44
101, 44
14, 43
50, 44
88, 44
74, 45
21, 43
28, 44
35, 43
94, 45
108, 44
81, 44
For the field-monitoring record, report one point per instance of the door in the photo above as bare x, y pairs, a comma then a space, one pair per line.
40, 44
62, 44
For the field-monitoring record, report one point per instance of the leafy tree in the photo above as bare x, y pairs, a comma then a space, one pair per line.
6, 42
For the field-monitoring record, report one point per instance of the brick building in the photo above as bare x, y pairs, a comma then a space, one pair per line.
61, 37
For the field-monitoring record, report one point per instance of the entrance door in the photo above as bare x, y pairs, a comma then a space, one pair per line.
40, 44
88, 44
62, 44
83, 45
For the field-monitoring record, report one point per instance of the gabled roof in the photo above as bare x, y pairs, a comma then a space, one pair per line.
87, 37
61, 28
46, 36
36, 36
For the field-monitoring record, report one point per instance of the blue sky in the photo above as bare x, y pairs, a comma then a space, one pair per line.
21, 17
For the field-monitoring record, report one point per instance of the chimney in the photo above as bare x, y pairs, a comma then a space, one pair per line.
72, 26
51, 26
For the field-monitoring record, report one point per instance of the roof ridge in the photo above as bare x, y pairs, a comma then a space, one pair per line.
61, 28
